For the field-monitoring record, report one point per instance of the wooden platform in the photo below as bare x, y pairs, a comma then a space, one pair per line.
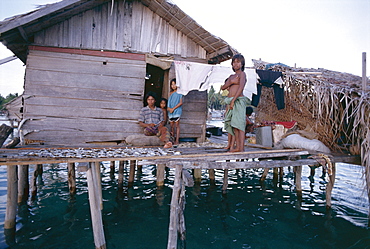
195, 158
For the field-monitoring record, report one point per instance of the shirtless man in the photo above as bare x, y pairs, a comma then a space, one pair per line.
235, 116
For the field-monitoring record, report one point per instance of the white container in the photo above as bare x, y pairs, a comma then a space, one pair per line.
264, 136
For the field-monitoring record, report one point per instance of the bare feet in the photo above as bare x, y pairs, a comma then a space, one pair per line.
234, 150
167, 145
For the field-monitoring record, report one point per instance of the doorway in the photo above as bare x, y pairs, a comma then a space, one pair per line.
154, 82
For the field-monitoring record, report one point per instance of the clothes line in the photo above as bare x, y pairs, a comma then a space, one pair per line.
197, 76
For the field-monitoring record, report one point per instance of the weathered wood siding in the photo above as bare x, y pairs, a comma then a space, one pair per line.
131, 27
14, 109
193, 119
73, 99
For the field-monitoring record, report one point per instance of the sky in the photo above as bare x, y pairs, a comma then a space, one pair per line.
330, 34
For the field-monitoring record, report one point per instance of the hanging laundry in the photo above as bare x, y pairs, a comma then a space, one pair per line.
190, 75
197, 76
272, 79
251, 85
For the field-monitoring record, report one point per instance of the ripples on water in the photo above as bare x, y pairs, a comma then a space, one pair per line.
250, 215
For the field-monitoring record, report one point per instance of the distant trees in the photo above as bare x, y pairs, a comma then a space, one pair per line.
215, 100
5, 100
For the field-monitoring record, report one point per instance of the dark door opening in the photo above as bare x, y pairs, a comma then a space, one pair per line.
154, 82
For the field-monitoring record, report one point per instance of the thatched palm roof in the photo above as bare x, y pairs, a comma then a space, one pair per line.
332, 103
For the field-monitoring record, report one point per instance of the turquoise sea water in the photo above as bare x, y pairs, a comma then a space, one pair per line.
250, 215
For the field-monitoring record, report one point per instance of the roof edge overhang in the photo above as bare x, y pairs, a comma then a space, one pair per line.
17, 32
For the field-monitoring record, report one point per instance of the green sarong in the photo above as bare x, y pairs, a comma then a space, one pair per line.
235, 118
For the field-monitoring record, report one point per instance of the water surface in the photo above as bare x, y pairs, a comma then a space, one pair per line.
250, 215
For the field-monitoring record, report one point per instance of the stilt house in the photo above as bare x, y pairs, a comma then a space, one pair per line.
89, 64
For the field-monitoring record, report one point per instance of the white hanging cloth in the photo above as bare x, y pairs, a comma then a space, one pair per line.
197, 76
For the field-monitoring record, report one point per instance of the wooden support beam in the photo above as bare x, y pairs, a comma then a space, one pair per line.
174, 213
23, 184
163, 159
97, 178
264, 174
330, 185
121, 169
11, 200
131, 175
298, 181
201, 164
212, 177
364, 76
37, 173
112, 167
71, 178
96, 215
225, 181
197, 175
160, 174
275, 174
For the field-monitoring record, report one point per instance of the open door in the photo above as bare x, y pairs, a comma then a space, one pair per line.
154, 81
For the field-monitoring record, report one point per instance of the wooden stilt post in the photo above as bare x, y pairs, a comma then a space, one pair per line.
298, 181
275, 174
312, 170
364, 76
281, 172
174, 214
40, 170
198, 175
36, 173
11, 201
160, 174
329, 186
23, 184
139, 169
112, 169
264, 174
96, 216
71, 178
97, 178
181, 226
226, 179
132, 173
212, 177
367, 179
121, 168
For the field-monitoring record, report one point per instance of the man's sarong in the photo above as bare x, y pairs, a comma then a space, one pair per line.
235, 118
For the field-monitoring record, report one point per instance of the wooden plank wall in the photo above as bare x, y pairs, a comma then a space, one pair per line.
72, 99
131, 27
14, 109
193, 119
